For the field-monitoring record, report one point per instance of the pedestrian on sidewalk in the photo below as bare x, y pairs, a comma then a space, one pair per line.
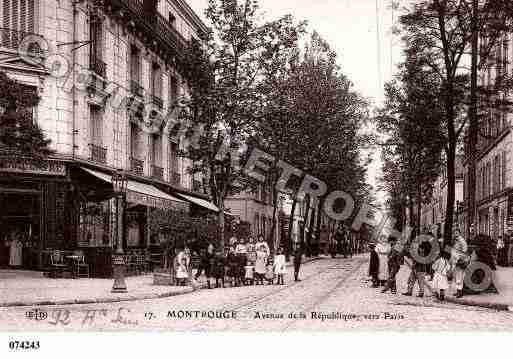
373, 265
298, 256
394, 264
441, 269
233, 267
262, 242
182, 273
383, 249
459, 261
279, 266
260, 265
418, 269
205, 264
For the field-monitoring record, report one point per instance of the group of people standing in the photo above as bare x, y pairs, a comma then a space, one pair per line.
245, 263
386, 260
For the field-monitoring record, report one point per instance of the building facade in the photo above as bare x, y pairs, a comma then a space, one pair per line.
433, 213
494, 195
106, 73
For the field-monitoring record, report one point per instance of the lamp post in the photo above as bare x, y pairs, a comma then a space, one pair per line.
119, 185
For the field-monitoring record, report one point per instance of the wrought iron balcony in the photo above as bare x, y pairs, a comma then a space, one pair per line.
136, 89
137, 166
157, 172
197, 186
12, 39
157, 101
97, 153
175, 178
98, 66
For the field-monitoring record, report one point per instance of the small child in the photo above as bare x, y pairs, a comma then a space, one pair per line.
249, 275
279, 266
441, 267
181, 272
269, 272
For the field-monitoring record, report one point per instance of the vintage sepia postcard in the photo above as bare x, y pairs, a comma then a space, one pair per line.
255, 165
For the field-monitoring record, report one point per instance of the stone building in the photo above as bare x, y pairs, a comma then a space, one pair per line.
433, 213
494, 195
106, 72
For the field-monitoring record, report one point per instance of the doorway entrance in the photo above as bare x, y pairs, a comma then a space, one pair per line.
20, 219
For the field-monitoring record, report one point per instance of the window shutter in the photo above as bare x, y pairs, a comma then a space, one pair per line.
31, 16
503, 170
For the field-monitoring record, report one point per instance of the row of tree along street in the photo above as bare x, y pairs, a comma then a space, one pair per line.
435, 100
269, 84
253, 84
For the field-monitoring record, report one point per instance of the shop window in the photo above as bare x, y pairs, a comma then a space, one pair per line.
94, 225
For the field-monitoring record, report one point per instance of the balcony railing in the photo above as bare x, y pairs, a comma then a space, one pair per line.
97, 153
196, 186
157, 101
136, 89
137, 166
149, 20
175, 178
12, 39
157, 172
98, 66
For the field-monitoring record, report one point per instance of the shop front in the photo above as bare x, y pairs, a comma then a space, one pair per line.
34, 211
96, 237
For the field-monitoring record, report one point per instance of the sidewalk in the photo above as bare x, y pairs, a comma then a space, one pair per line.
503, 279
24, 288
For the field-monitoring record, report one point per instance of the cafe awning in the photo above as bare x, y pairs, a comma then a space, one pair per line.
199, 201
145, 194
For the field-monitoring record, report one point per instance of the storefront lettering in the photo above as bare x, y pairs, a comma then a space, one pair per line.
31, 165
150, 201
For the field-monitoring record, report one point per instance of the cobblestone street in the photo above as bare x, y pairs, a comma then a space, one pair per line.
334, 294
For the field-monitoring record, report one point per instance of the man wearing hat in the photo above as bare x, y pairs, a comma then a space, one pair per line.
394, 264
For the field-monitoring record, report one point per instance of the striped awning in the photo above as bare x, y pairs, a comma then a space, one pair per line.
145, 194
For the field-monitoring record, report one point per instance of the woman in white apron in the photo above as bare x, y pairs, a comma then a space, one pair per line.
383, 249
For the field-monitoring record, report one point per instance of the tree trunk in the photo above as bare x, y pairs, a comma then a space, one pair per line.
410, 210
419, 209
272, 238
318, 225
291, 224
221, 224
449, 214
306, 233
473, 125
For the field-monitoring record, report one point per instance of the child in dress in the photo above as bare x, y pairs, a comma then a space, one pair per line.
249, 275
260, 265
441, 267
279, 266
269, 272
181, 271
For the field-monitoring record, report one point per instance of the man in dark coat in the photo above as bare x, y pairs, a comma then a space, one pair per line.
373, 266
298, 254
394, 264
418, 269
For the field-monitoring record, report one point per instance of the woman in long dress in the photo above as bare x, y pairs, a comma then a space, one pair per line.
383, 249
16, 252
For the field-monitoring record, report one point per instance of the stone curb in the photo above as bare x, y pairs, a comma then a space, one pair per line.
96, 300
472, 303
118, 299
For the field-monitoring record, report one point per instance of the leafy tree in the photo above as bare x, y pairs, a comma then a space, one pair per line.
436, 35
224, 76
413, 119
311, 120
18, 132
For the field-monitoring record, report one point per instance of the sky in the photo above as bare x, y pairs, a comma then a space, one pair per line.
352, 28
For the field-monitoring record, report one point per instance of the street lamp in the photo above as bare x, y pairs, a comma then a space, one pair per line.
119, 185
